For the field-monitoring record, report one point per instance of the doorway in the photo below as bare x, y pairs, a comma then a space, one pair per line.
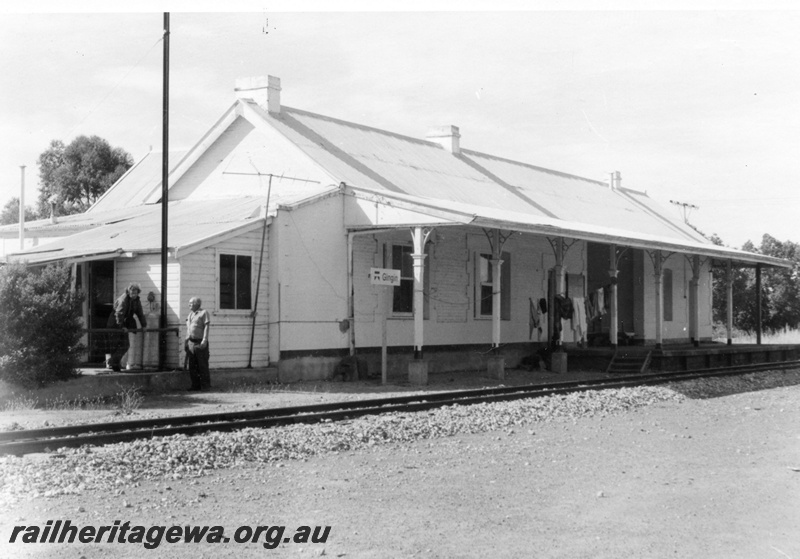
100, 299
598, 265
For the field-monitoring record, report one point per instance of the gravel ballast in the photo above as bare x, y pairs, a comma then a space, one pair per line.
112, 467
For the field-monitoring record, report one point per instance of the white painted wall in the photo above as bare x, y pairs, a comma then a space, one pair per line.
452, 289
677, 329
197, 274
231, 165
231, 330
303, 290
145, 270
310, 298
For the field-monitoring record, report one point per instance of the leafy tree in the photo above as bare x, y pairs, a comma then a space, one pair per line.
40, 325
75, 175
781, 285
780, 290
10, 213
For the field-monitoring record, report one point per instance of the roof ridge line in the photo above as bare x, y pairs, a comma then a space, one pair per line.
530, 165
362, 126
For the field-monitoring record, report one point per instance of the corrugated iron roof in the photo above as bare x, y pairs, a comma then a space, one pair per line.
496, 190
190, 222
384, 162
134, 186
69, 224
576, 199
376, 159
459, 213
381, 160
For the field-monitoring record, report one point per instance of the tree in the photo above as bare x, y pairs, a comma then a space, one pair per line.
10, 213
40, 325
76, 175
780, 289
781, 285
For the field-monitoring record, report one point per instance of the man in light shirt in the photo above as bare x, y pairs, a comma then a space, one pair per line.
197, 326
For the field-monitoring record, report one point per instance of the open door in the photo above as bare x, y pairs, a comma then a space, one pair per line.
100, 298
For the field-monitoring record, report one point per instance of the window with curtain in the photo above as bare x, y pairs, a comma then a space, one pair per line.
484, 288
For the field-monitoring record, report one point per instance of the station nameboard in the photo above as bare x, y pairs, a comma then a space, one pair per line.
384, 276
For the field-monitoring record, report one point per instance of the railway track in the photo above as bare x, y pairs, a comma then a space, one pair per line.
50, 439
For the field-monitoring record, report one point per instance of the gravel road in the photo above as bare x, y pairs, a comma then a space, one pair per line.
703, 469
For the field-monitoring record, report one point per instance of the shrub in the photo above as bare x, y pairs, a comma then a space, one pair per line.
40, 325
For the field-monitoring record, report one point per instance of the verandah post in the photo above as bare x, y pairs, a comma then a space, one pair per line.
659, 283
694, 302
729, 286
613, 333
418, 368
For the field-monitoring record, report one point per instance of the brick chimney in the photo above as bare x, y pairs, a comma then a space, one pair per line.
264, 90
446, 136
614, 180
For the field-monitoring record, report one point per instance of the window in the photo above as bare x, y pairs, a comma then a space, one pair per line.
667, 288
484, 287
403, 299
399, 258
234, 281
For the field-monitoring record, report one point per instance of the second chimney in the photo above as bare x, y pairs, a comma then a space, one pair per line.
447, 137
614, 180
266, 91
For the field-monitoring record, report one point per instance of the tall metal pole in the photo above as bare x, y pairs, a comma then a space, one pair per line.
258, 282
162, 346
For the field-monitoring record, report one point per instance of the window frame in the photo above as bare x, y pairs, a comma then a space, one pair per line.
388, 262
505, 286
218, 281
667, 294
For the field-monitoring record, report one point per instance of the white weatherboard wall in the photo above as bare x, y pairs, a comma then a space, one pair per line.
229, 336
311, 293
677, 329
145, 270
452, 318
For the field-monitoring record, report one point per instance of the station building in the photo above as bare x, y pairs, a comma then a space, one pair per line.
293, 228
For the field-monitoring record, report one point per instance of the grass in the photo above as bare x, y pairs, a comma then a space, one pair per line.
125, 401
275, 387
782, 336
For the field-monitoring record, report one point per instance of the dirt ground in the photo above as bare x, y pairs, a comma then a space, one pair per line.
716, 477
252, 397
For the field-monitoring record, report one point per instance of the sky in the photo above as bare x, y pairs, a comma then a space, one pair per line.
698, 105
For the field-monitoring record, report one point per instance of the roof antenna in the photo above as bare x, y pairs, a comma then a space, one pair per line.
686, 208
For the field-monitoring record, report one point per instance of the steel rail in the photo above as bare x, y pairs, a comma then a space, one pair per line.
49, 439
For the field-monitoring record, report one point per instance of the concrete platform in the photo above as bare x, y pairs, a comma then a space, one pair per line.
687, 357
95, 382
582, 363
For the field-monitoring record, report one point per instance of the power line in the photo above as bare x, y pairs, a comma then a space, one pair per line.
113, 89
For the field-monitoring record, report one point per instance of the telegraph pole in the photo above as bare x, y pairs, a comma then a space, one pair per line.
162, 336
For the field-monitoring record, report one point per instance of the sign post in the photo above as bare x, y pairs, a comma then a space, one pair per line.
389, 279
